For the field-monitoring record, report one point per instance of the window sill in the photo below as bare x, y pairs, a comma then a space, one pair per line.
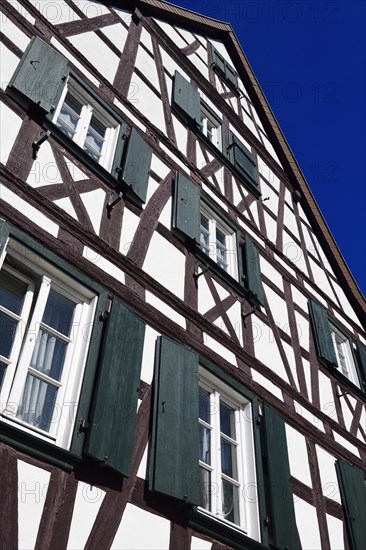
346, 382
222, 532
212, 266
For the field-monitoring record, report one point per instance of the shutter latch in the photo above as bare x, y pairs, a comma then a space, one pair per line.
83, 426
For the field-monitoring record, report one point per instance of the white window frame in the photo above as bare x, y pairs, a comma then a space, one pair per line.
90, 108
249, 519
344, 356
211, 127
215, 225
31, 268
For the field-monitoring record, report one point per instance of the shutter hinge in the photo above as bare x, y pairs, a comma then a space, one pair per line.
83, 426
266, 520
38, 142
103, 316
111, 204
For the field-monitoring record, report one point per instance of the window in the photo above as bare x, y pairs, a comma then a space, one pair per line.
225, 70
218, 241
80, 117
84, 124
206, 452
335, 349
46, 319
211, 127
70, 359
226, 458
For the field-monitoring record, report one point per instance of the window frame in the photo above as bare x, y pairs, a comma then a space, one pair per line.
208, 116
340, 338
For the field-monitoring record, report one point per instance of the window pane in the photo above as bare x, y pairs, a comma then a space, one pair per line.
58, 313
204, 444
49, 355
204, 406
12, 292
2, 372
205, 489
228, 459
230, 502
7, 334
227, 420
37, 404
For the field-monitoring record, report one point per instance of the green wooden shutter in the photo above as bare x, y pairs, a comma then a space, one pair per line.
186, 207
186, 98
4, 234
110, 436
116, 170
242, 159
253, 271
322, 334
174, 467
352, 485
231, 76
137, 164
361, 355
280, 487
40, 76
219, 62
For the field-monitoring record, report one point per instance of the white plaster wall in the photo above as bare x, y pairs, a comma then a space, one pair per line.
103, 264
293, 252
328, 476
166, 215
273, 275
327, 405
181, 134
28, 211
129, 226
32, 491
166, 264
94, 204
55, 12
9, 62
147, 66
346, 444
298, 456
22, 11
272, 202
96, 52
290, 354
215, 346
271, 228
278, 309
264, 382
198, 63
58, 46
66, 205
321, 280
141, 530
145, 38
200, 544
299, 299
335, 530
250, 124
306, 517
87, 503
266, 349
163, 308
124, 15
347, 415
44, 170
315, 294
171, 66
142, 470
268, 174
91, 9
285, 266
172, 33
117, 34
205, 299
254, 210
346, 306
307, 373
304, 413
271, 151
14, 33
9, 129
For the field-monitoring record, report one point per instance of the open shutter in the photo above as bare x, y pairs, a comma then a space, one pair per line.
231, 76
253, 271
112, 421
186, 207
243, 160
280, 487
174, 454
4, 235
322, 334
116, 170
186, 98
137, 164
361, 355
40, 76
352, 485
219, 62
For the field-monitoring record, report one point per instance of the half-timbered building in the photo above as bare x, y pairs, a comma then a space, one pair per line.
182, 361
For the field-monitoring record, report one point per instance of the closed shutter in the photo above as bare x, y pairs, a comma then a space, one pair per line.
361, 353
253, 271
40, 76
352, 485
243, 160
116, 170
137, 164
111, 432
186, 98
174, 454
186, 207
280, 487
322, 334
4, 235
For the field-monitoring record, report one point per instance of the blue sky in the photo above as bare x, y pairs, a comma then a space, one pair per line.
309, 57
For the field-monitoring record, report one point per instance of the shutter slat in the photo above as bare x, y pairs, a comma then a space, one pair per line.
253, 271
40, 76
243, 159
219, 62
137, 164
112, 422
174, 469
352, 485
322, 334
186, 98
231, 76
280, 487
186, 207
